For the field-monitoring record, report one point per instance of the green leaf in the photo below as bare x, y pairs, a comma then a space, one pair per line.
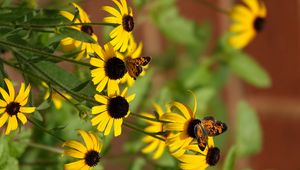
247, 69
12, 163
230, 159
77, 35
138, 164
140, 88
204, 95
249, 134
18, 142
59, 74
4, 152
175, 27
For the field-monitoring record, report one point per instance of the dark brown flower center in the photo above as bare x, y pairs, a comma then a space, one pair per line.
128, 23
191, 127
118, 107
115, 68
92, 158
213, 156
259, 24
13, 108
87, 29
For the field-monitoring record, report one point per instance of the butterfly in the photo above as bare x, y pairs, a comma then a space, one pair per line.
208, 126
134, 65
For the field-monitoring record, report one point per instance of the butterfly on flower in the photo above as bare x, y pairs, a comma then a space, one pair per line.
134, 65
208, 126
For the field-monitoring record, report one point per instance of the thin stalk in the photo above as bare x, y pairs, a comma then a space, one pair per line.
148, 118
214, 7
46, 130
56, 82
57, 25
36, 51
44, 147
141, 130
68, 100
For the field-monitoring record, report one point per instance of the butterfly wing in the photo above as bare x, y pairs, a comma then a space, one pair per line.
202, 138
212, 126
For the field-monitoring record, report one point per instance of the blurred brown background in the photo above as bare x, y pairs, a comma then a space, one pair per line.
277, 50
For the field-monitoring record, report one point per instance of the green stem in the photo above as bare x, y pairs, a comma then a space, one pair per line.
141, 130
214, 7
36, 51
28, 26
148, 118
45, 130
56, 82
44, 147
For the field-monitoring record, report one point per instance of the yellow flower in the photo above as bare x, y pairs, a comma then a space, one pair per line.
13, 107
134, 51
89, 154
57, 99
69, 44
247, 22
110, 69
124, 19
153, 144
182, 123
111, 112
200, 160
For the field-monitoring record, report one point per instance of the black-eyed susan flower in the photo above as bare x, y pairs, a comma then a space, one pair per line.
247, 22
109, 69
182, 123
111, 111
69, 44
200, 160
56, 98
124, 19
12, 108
134, 63
154, 145
89, 154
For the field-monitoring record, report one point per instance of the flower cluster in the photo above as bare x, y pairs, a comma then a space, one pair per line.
178, 126
114, 67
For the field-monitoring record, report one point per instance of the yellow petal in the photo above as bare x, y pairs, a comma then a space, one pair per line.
27, 109
22, 118
9, 125
97, 62
5, 95
130, 98
108, 127
253, 5
14, 122
2, 103
95, 120
99, 109
103, 123
86, 138
76, 145
118, 127
112, 11
159, 150
75, 165
3, 119
113, 87
102, 84
67, 15
101, 99
184, 109
11, 89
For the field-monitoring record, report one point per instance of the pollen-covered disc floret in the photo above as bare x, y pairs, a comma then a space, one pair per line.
12, 108
123, 18
111, 111
69, 44
248, 20
88, 154
109, 69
